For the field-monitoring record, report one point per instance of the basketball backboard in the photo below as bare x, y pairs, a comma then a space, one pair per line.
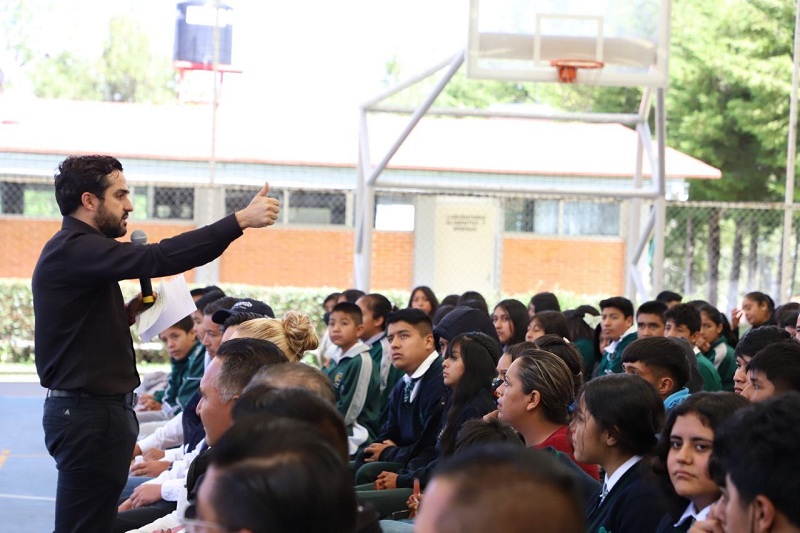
516, 40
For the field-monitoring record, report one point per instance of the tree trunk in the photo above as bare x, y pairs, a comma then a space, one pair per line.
714, 243
736, 266
688, 285
752, 259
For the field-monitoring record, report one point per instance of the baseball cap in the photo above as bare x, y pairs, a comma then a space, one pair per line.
245, 305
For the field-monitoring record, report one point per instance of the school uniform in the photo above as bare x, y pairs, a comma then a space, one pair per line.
691, 515
356, 383
711, 378
631, 502
676, 398
611, 361
413, 415
722, 356
381, 355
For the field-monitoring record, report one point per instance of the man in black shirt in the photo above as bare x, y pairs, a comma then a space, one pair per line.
84, 350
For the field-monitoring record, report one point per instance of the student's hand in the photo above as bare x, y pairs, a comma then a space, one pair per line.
414, 499
703, 345
491, 416
261, 212
386, 480
373, 451
150, 405
145, 494
707, 526
736, 316
150, 468
153, 454
125, 506
175, 529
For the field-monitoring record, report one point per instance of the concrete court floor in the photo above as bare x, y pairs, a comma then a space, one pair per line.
27, 472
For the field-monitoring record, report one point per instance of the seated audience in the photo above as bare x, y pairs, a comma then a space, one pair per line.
581, 325
773, 371
355, 377
683, 321
543, 301
423, 298
669, 298
615, 426
461, 320
375, 310
618, 328
683, 454
408, 436
756, 460
535, 399
501, 487
510, 320
750, 344
547, 323
714, 344
650, 319
663, 364
473, 299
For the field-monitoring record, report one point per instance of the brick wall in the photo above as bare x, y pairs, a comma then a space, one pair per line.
310, 257
582, 266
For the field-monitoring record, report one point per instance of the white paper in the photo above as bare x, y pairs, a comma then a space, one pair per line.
173, 303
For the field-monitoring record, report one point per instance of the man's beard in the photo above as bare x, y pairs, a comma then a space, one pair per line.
108, 224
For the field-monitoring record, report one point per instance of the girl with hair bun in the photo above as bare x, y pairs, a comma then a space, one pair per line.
293, 333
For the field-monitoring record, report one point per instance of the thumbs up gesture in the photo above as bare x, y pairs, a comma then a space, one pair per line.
261, 212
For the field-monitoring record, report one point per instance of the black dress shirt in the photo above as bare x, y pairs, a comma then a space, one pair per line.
82, 336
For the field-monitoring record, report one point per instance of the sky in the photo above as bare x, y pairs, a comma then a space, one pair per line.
293, 53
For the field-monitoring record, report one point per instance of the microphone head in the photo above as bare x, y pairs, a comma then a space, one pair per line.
139, 237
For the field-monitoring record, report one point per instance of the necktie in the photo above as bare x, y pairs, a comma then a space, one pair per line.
603, 494
409, 389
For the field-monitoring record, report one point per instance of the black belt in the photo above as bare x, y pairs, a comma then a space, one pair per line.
127, 398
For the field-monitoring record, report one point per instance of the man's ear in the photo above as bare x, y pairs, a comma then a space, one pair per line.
764, 514
665, 386
89, 201
629, 321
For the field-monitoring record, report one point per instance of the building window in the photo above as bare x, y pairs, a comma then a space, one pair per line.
315, 207
173, 202
562, 217
394, 213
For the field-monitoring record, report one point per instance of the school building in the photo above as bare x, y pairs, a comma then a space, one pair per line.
183, 175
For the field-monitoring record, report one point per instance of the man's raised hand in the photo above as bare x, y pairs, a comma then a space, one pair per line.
261, 212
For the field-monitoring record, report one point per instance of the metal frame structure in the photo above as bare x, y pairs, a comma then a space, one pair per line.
369, 175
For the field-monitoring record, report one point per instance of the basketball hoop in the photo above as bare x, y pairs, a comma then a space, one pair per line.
568, 68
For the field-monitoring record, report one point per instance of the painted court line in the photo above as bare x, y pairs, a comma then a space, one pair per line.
20, 497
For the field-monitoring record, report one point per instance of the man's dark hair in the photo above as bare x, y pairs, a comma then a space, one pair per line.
536, 494
479, 431
618, 302
475, 300
780, 363
351, 310
207, 298
380, 306
297, 404
653, 307
79, 174
240, 360
757, 448
669, 296
226, 302
660, 355
295, 375
200, 291
450, 299
416, 317
684, 315
545, 301
185, 324
351, 295
272, 471
757, 339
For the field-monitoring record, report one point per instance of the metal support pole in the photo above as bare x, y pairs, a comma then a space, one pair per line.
659, 175
786, 270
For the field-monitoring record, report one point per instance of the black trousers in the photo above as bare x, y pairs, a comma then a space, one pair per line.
91, 440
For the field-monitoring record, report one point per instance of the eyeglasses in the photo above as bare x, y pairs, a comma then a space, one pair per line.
194, 525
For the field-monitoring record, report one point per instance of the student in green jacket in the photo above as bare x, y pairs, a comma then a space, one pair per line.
683, 321
617, 325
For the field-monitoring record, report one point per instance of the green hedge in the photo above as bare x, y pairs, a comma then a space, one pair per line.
16, 312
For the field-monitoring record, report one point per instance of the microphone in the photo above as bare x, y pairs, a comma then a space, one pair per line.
140, 237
